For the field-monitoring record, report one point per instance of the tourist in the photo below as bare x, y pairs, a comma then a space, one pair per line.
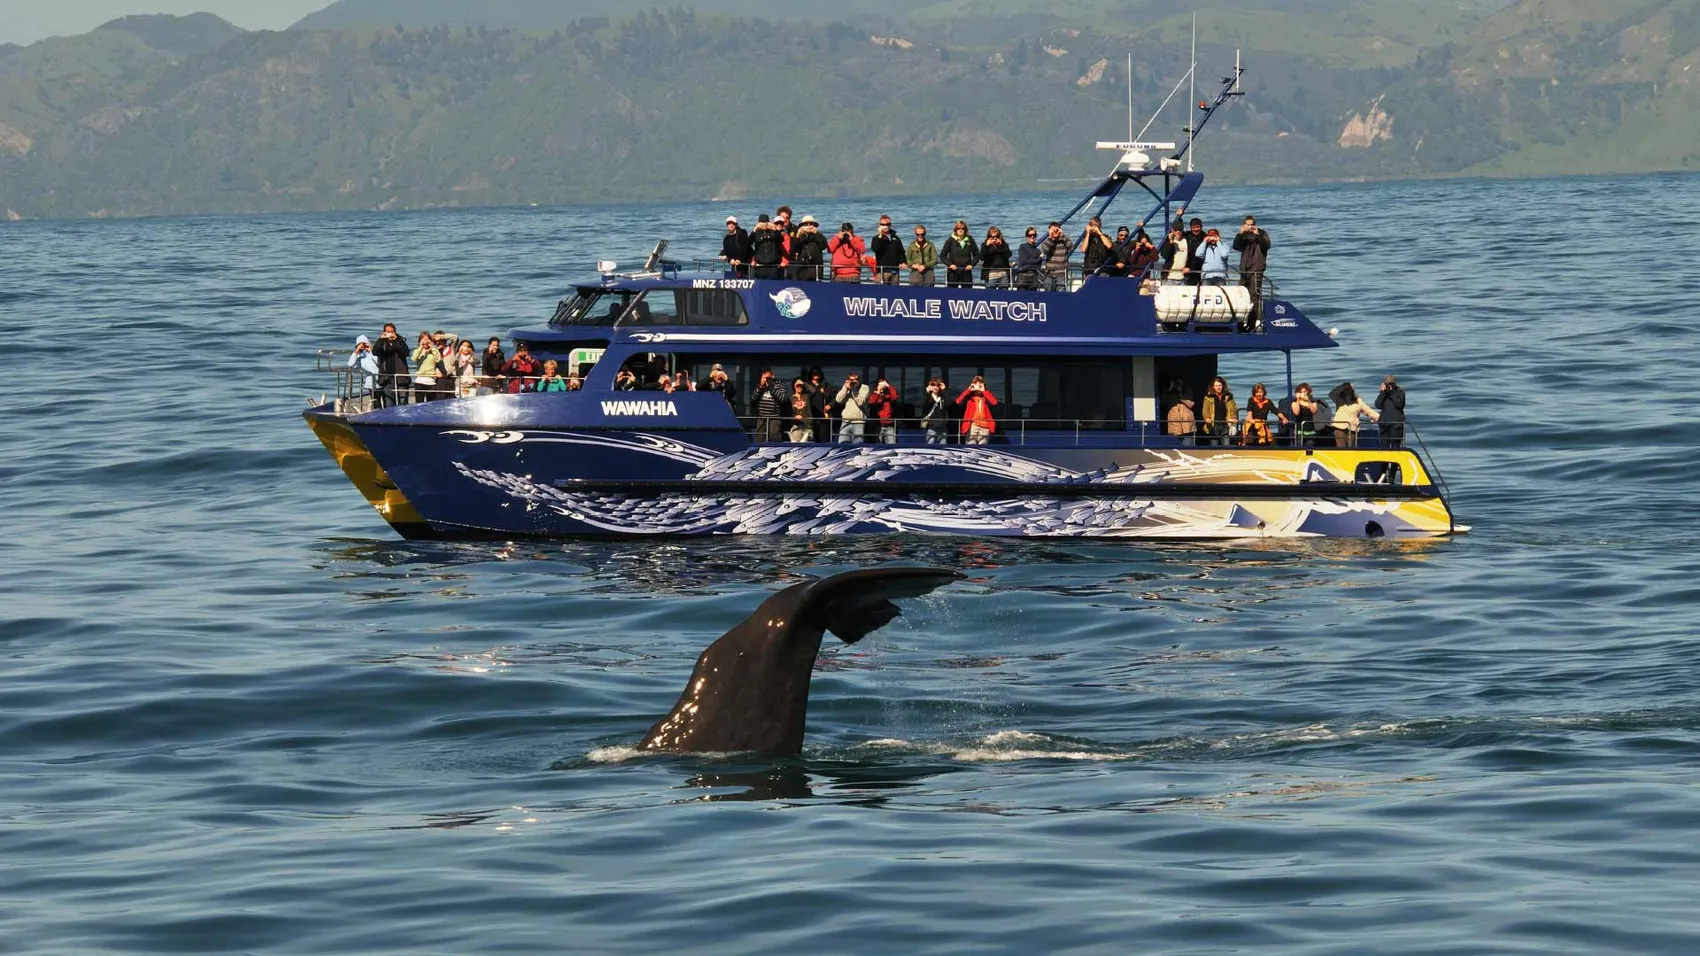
521, 370
1391, 404
1139, 256
1219, 412
735, 248
1182, 424
493, 362
551, 380
801, 428
465, 370
625, 381
718, 382
994, 260
391, 352
977, 402
808, 251
852, 401
364, 379
959, 255
768, 405
664, 383
427, 368
847, 249
1349, 412
921, 258
882, 403
1120, 250
935, 417
1213, 259
888, 253
1174, 255
1302, 412
1095, 248
1257, 412
767, 250
1054, 253
1194, 262
1252, 243
574, 383
1028, 261
782, 221
820, 410
682, 381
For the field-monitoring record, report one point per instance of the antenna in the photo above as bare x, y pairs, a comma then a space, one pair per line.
1130, 135
1192, 93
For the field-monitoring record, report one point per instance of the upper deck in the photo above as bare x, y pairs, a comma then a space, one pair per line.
1101, 314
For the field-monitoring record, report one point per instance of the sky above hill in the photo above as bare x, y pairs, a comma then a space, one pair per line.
26, 21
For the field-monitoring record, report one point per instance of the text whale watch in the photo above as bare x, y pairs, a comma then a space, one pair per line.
1069, 389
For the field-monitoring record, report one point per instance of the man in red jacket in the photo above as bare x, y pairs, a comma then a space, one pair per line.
847, 249
881, 405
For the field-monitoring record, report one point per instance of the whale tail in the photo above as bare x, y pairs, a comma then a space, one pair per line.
854, 604
750, 688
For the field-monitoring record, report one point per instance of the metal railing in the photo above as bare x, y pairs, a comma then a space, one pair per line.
1031, 280
1088, 432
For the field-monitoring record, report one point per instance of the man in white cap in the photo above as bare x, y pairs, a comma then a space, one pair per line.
718, 382
735, 248
808, 251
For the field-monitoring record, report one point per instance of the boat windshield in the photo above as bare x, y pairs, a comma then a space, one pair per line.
592, 306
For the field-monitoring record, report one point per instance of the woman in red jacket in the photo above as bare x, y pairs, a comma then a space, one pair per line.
977, 421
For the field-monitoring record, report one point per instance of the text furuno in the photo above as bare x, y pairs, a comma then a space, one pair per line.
640, 408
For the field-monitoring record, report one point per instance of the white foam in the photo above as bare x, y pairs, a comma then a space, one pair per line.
612, 754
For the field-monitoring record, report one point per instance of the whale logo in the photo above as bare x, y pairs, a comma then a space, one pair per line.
792, 302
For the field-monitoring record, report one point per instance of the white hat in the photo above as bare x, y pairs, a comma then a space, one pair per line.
812, 220
732, 219
362, 340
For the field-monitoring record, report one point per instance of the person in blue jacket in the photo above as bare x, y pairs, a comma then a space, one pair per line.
1214, 256
365, 376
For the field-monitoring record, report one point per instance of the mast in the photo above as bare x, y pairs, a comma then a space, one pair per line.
1130, 96
1192, 92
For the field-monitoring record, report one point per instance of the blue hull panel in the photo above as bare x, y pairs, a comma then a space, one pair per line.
599, 482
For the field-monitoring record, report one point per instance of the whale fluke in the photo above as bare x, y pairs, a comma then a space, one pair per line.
750, 688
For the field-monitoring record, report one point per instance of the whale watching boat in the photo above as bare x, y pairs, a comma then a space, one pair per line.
1081, 446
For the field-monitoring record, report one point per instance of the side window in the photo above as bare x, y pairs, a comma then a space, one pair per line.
712, 307
655, 307
1379, 473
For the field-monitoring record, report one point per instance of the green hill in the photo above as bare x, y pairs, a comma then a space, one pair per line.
167, 115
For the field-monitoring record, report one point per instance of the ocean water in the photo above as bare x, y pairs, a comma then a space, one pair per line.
237, 714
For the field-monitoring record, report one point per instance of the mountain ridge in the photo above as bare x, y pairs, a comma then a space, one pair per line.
165, 115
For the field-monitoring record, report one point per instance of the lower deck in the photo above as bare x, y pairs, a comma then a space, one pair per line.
475, 481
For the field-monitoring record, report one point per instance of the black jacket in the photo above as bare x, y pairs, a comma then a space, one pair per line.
887, 250
808, 249
1194, 260
1095, 253
735, 245
392, 356
493, 362
959, 252
1391, 404
994, 255
1027, 257
767, 247
1253, 250
727, 390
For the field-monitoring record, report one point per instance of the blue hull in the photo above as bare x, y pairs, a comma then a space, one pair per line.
699, 479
